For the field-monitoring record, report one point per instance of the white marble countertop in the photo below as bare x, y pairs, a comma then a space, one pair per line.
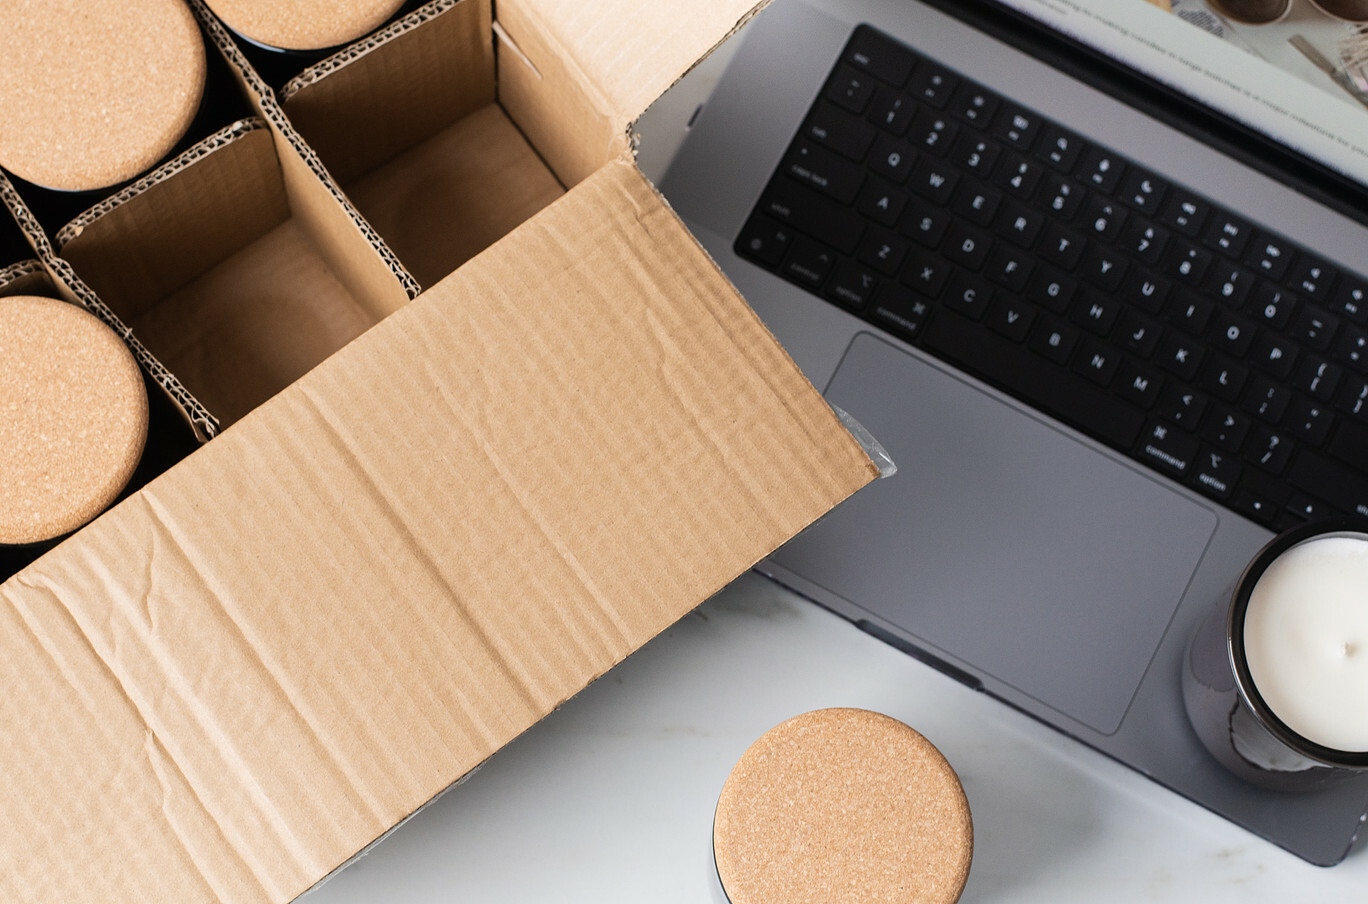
610, 799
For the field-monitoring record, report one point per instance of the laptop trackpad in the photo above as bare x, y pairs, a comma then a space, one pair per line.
1003, 541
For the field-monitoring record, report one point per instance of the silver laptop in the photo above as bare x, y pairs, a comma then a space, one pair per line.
1069, 319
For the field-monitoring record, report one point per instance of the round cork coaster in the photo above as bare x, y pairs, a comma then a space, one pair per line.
93, 94
303, 24
842, 806
73, 418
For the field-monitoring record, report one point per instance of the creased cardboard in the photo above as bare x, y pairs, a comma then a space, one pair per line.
430, 522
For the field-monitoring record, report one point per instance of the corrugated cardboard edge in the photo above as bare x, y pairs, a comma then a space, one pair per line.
21, 271
201, 422
223, 137
355, 51
271, 110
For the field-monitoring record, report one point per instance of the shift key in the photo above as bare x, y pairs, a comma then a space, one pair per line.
1328, 480
808, 212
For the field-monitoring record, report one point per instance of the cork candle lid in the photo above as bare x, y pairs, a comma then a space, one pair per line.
303, 24
73, 418
842, 806
92, 94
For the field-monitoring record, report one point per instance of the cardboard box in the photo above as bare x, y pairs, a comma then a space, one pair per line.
433, 515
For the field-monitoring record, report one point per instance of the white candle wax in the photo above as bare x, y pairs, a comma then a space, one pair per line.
1306, 640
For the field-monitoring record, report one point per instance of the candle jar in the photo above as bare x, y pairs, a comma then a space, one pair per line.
1275, 680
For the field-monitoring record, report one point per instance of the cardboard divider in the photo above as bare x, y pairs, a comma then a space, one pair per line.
213, 273
411, 125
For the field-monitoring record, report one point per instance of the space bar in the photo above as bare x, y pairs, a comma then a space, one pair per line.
1032, 379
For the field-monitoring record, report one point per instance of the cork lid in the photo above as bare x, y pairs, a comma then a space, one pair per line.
92, 94
303, 24
73, 417
842, 806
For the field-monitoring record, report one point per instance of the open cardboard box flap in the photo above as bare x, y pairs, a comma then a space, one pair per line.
239, 677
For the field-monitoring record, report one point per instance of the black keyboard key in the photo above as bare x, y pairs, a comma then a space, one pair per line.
926, 272
966, 245
968, 294
852, 286
1309, 421
813, 214
880, 56
1351, 349
1232, 333
1019, 175
1326, 479
1144, 240
1312, 277
1009, 267
1139, 384
1189, 312
825, 171
1052, 290
1061, 245
1269, 450
1011, 318
1317, 377
934, 180
851, 89
1103, 219
1184, 212
1254, 506
1096, 312
1226, 235
1216, 473
1315, 328
764, 240
1145, 290
1351, 298
1143, 190
1187, 262
925, 224
1273, 354
977, 155
1230, 284
1034, 379
1137, 333
1225, 427
1054, 339
1178, 354
1223, 378
1101, 169
976, 203
883, 251
1061, 198
1353, 398
1272, 306
1350, 443
1267, 400
1096, 361
845, 134
1307, 509
1270, 256
974, 105
892, 158
1019, 225
1168, 449
933, 84
1059, 147
809, 262
881, 202
899, 310
1017, 126
1182, 406
892, 110
1102, 266
932, 131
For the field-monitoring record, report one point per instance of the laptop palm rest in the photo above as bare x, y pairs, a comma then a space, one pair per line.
1008, 546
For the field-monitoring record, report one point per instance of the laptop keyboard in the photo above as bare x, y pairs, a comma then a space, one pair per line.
1204, 346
